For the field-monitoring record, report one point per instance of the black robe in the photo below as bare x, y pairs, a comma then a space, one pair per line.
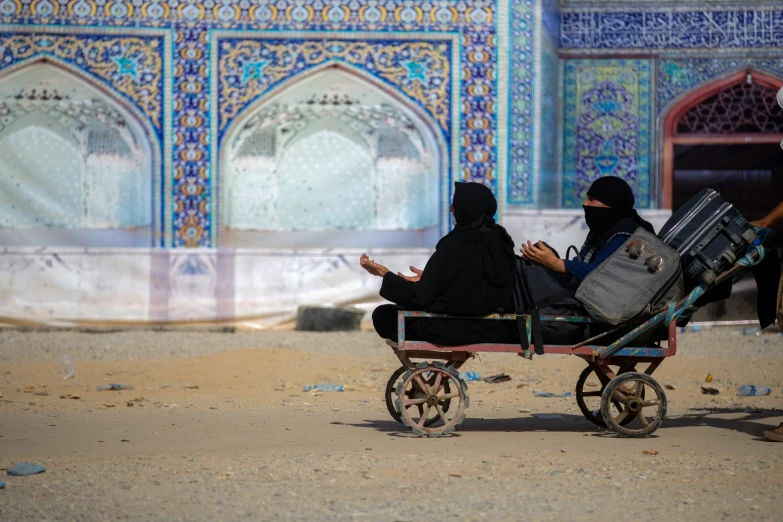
470, 274
453, 284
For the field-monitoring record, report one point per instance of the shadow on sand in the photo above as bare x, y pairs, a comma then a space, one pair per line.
711, 417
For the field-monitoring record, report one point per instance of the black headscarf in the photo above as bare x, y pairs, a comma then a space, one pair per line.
472, 271
612, 191
619, 218
474, 208
473, 204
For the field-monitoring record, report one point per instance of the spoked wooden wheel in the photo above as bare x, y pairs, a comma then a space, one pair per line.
630, 389
391, 405
391, 386
589, 400
439, 392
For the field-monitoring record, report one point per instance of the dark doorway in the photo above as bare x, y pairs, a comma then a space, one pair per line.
748, 176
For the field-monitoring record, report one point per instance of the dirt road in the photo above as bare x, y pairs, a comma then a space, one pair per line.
219, 429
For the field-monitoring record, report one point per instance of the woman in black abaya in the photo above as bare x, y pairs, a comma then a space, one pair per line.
611, 218
471, 273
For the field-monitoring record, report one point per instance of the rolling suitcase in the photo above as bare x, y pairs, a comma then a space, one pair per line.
709, 234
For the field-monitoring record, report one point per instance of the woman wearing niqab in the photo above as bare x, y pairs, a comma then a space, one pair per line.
611, 219
471, 274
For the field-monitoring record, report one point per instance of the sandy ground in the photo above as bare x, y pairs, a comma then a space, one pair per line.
217, 428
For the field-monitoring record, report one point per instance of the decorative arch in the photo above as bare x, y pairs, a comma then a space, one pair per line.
692, 98
145, 106
276, 90
253, 69
109, 133
258, 115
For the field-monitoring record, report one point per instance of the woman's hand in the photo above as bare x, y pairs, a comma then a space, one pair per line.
540, 254
372, 267
413, 278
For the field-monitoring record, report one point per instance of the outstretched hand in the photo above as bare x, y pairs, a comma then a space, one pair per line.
372, 267
413, 278
542, 255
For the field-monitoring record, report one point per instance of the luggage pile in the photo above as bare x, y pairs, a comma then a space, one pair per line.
700, 241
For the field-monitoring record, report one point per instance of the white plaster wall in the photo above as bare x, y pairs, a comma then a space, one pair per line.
265, 285
192, 283
275, 283
69, 284
73, 283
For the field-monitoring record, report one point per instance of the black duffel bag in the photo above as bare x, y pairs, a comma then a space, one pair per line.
539, 291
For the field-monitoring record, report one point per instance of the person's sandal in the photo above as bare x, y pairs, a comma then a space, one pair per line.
775, 434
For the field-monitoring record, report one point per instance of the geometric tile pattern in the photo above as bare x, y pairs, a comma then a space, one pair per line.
676, 76
713, 27
421, 71
191, 21
607, 118
250, 68
520, 164
131, 65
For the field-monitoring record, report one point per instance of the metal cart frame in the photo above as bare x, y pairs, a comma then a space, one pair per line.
431, 399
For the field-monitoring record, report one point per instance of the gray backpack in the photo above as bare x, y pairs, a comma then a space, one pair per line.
641, 276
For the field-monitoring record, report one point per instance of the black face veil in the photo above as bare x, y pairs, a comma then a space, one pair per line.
615, 192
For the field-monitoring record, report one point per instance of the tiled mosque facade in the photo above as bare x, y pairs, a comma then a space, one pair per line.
205, 134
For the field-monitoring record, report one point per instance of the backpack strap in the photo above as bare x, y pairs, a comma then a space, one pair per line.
535, 330
535, 333
523, 301
523, 340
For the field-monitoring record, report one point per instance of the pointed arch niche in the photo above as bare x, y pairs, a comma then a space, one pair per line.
726, 135
333, 159
77, 166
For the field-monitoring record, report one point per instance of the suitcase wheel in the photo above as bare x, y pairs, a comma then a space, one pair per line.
708, 277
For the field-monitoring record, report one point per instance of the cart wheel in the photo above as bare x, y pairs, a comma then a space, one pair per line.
391, 387
589, 402
434, 388
629, 390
